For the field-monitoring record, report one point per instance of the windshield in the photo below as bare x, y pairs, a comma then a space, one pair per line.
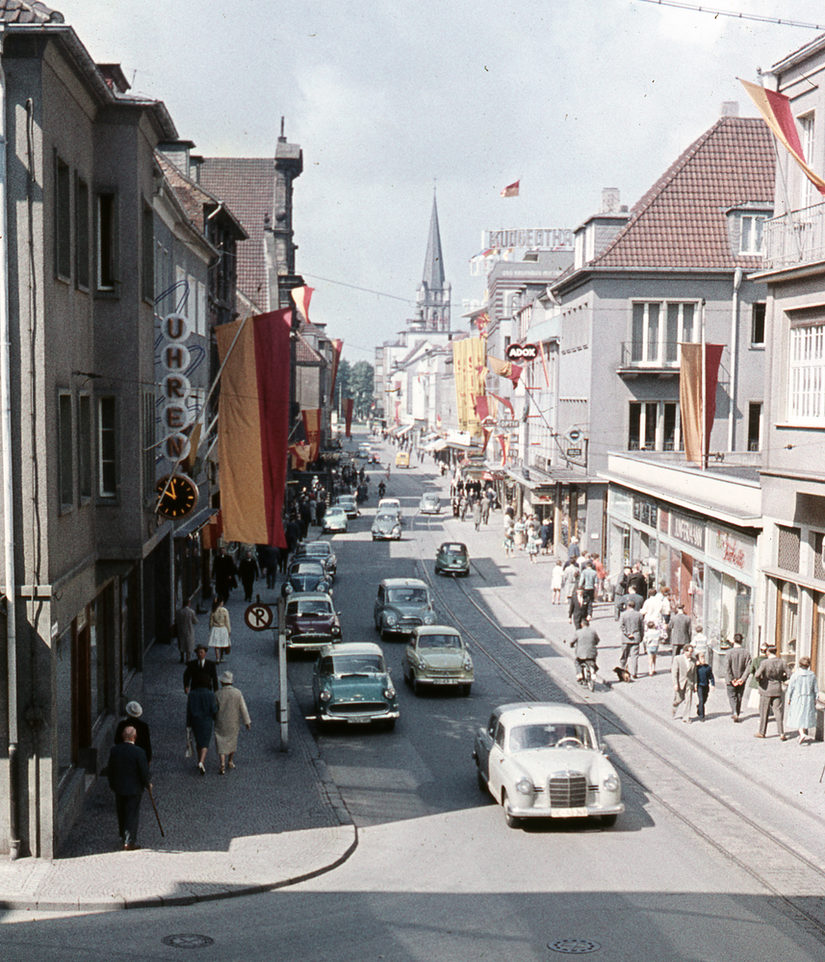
346, 499
308, 568
309, 606
319, 548
525, 737
439, 641
454, 549
430, 498
386, 519
358, 665
407, 596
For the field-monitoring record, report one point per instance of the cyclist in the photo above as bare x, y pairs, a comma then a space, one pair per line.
586, 643
382, 488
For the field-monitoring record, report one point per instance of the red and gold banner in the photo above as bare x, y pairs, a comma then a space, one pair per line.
468, 372
504, 368
348, 405
778, 115
253, 426
693, 401
301, 296
337, 347
300, 455
312, 430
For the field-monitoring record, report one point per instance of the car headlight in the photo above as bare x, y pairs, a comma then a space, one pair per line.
287, 631
389, 692
468, 664
287, 588
524, 786
390, 618
396, 529
611, 783
335, 630
429, 618
325, 695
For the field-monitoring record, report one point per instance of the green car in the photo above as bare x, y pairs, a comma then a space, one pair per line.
437, 655
452, 559
351, 684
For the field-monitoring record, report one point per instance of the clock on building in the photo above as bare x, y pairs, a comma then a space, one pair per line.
177, 496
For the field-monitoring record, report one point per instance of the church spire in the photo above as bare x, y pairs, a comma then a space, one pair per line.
433, 292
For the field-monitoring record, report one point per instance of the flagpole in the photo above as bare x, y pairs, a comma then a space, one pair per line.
703, 392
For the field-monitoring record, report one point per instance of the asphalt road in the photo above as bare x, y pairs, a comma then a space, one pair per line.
437, 874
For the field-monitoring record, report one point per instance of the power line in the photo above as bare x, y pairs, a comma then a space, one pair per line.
355, 287
735, 14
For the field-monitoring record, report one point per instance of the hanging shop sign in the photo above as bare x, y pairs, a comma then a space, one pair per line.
521, 352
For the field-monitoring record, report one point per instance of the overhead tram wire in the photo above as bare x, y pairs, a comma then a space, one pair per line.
355, 287
734, 14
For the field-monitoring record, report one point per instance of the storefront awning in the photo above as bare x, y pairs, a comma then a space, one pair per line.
438, 445
404, 430
195, 523
462, 441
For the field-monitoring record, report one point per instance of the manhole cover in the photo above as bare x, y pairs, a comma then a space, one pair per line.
187, 941
574, 946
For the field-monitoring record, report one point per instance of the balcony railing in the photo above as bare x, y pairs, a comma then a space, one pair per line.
660, 357
797, 237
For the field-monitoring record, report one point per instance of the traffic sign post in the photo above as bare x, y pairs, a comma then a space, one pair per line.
283, 693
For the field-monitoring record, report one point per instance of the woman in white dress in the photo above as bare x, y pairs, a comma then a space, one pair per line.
220, 630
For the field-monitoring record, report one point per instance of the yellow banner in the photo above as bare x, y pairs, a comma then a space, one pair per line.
469, 373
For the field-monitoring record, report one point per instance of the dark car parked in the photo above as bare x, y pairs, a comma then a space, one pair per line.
306, 575
310, 621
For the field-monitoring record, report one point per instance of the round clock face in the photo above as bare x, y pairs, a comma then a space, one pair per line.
177, 495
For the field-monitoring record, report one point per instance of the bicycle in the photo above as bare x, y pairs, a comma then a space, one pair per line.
587, 673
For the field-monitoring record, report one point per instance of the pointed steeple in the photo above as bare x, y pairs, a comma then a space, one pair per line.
433, 292
433, 262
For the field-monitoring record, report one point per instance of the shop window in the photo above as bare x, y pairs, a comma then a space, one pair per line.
787, 556
818, 638
787, 616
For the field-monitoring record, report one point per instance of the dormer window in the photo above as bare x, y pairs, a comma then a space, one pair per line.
751, 238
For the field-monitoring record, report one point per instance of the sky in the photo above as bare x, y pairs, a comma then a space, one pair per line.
393, 99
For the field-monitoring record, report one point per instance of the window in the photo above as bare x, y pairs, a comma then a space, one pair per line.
657, 328
84, 446
755, 426
653, 426
106, 242
806, 378
63, 220
147, 254
65, 444
82, 233
806, 125
752, 235
107, 447
758, 324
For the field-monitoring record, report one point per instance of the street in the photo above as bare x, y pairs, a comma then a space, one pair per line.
693, 870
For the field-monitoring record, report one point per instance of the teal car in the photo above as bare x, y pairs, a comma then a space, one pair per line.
452, 559
351, 684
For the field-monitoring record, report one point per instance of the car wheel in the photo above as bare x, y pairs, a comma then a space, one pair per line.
465, 690
383, 633
480, 779
414, 685
609, 820
512, 821
389, 724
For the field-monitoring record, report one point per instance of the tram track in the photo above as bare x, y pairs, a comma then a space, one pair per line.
683, 796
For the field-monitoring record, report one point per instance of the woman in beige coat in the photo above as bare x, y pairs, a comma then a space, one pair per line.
232, 713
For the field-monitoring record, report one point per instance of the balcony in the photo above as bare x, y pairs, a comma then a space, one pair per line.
795, 238
660, 359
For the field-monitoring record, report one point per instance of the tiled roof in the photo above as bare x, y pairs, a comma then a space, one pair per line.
191, 196
680, 222
247, 185
18, 11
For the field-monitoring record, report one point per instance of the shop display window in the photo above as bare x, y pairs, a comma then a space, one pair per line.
787, 617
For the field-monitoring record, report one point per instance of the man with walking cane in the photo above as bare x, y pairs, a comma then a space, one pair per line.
128, 774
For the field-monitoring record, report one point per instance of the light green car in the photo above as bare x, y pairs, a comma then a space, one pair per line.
437, 655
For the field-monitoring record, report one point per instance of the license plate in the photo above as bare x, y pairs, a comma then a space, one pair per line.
569, 812
443, 681
359, 721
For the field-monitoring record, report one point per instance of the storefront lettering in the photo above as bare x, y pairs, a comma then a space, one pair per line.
687, 530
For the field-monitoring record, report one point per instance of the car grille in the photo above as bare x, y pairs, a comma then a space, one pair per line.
444, 672
357, 707
568, 791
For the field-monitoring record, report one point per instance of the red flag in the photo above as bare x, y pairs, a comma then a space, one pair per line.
481, 406
691, 396
777, 113
253, 426
504, 368
312, 430
506, 403
481, 322
511, 190
301, 297
348, 415
505, 447
337, 347
211, 533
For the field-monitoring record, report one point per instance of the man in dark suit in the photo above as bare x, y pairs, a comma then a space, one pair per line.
200, 672
771, 674
631, 625
144, 740
128, 774
681, 630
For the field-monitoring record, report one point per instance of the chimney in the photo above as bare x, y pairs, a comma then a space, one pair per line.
730, 108
610, 200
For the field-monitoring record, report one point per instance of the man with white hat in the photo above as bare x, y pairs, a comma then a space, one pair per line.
133, 719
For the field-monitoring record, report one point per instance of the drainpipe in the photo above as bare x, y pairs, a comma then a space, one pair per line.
734, 354
8, 485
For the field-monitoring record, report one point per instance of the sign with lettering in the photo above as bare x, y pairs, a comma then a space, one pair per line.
731, 548
690, 531
521, 352
176, 389
542, 238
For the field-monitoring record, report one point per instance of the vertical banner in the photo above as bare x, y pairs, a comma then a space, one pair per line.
695, 404
253, 426
337, 347
312, 431
468, 374
301, 296
348, 405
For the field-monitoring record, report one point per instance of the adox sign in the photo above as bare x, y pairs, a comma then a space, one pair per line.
522, 352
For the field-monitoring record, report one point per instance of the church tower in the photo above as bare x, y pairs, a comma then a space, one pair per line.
433, 296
